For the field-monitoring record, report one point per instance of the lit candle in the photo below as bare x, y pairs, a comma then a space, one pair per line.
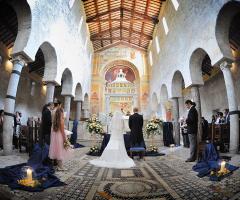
29, 174
223, 163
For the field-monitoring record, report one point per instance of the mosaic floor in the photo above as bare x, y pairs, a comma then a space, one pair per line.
163, 178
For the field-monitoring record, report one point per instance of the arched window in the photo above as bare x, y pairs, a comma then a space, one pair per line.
80, 24
175, 4
165, 26
150, 58
157, 44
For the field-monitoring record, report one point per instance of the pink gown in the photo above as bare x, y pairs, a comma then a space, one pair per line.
57, 150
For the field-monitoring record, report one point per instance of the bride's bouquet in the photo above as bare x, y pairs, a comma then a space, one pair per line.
94, 126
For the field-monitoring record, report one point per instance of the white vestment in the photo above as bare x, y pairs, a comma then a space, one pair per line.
115, 154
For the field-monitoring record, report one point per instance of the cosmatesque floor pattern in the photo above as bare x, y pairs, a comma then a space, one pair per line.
163, 178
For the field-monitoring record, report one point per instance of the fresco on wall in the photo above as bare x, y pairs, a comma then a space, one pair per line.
111, 74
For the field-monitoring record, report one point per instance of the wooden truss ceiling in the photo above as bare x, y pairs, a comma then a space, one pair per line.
113, 22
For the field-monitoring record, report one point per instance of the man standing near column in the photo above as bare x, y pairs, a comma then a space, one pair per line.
192, 129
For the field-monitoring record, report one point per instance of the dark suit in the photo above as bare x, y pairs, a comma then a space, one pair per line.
192, 129
136, 124
46, 125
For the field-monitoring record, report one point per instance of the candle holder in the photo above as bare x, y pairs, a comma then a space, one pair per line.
27, 179
221, 173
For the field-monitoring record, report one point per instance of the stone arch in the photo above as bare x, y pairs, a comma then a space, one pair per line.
163, 93
24, 17
195, 65
67, 82
50, 59
78, 92
123, 63
177, 84
223, 23
154, 103
163, 101
86, 101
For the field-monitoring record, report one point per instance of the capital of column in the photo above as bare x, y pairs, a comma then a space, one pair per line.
225, 65
19, 60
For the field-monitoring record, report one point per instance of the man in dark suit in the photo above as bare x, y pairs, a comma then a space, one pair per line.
46, 123
136, 124
192, 129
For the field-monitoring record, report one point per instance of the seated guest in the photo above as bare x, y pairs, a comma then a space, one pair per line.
220, 119
204, 129
1, 128
183, 131
213, 119
226, 116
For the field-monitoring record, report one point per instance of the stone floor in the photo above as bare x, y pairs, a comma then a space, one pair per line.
165, 177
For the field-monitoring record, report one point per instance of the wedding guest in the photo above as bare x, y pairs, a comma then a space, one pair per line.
59, 149
213, 119
204, 129
183, 130
227, 116
220, 119
1, 128
136, 124
192, 129
46, 123
16, 129
57, 104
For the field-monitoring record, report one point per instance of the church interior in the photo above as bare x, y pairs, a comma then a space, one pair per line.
97, 57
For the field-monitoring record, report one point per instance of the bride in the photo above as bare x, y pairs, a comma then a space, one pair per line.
115, 154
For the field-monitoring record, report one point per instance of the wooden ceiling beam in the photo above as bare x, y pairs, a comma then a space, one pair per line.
110, 22
142, 28
90, 19
154, 20
122, 20
149, 37
99, 24
121, 43
115, 38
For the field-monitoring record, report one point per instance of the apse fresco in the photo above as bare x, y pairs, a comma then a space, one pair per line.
111, 74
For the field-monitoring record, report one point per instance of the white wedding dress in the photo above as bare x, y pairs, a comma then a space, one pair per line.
115, 154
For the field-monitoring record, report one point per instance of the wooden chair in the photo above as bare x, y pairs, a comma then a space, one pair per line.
23, 138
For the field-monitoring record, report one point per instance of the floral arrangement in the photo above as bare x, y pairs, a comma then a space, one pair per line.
152, 149
94, 125
94, 149
153, 127
67, 144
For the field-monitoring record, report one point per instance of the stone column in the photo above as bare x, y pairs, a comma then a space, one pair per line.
176, 119
67, 104
107, 103
196, 98
78, 110
233, 107
9, 104
50, 92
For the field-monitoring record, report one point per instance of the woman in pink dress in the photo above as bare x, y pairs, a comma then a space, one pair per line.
57, 150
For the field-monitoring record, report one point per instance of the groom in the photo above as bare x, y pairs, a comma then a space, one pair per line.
135, 124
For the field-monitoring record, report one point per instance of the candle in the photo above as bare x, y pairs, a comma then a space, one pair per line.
223, 163
29, 174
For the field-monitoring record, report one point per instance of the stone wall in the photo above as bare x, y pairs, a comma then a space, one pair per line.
189, 30
108, 58
57, 24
